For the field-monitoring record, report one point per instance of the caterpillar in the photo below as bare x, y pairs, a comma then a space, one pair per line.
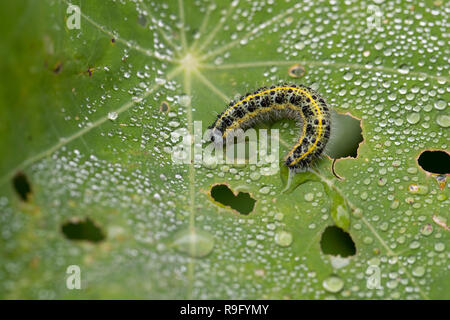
291, 101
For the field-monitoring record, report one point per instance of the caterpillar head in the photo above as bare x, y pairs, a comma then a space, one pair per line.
216, 136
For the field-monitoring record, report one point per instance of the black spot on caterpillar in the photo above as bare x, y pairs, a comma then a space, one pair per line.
289, 101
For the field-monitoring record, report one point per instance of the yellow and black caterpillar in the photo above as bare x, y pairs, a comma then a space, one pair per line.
290, 101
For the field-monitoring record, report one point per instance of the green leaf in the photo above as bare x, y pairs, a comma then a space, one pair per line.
91, 118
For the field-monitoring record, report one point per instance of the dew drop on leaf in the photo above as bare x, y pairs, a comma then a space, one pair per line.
112, 115
443, 120
195, 243
440, 104
418, 271
283, 238
413, 118
439, 247
333, 284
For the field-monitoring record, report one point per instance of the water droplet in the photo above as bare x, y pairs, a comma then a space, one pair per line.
374, 262
338, 262
440, 104
309, 196
379, 45
426, 230
184, 100
418, 271
427, 107
112, 115
413, 118
173, 124
418, 189
251, 243
396, 163
255, 176
388, 52
367, 240
264, 190
443, 120
271, 226
195, 243
305, 29
392, 284
283, 238
279, 216
348, 76
333, 284
357, 213
412, 170
401, 239
395, 204
210, 161
244, 41
299, 45
439, 247
403, 69
414, 245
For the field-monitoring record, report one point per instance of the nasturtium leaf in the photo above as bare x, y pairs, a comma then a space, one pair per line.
93, 118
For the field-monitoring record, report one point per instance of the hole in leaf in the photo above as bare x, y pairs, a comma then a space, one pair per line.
164, 107
142, 20
83, 229
336, 241
242, 202
346, 135
22, 186
57, 69
296, 71
435, 161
